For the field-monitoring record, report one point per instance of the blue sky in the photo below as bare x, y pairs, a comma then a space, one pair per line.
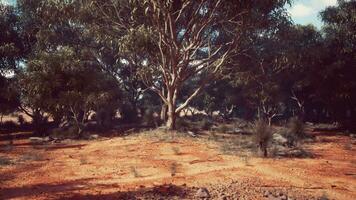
307, 11
302, 12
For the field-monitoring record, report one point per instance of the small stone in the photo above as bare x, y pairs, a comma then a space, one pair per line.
266, 193
202, 193
284, 197
93, 137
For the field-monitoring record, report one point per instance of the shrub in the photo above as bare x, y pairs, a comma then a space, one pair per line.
176, 150
223, 128
173, 168
206, 124
21, 120
182, 124
296, 127
128, 114
9, 125
134, 172
5, 161
262, 135
149, 118
295, 131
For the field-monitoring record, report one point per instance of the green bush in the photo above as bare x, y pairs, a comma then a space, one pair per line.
262, 135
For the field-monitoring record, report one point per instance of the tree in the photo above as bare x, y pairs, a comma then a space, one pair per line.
187, 40
61, 84
11, 52
337, 84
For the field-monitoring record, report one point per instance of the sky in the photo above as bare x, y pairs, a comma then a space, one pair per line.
302, 11
307, 11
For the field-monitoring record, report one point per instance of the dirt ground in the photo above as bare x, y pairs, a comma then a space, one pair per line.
144, 167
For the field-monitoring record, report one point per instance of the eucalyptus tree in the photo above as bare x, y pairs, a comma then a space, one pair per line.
337, 80
181, 40
11, 52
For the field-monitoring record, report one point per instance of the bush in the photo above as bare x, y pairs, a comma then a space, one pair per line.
223, 128
21, 120
149, 118
295, 131
296, 127
5, 161
9, 125
206, 124
262, 135
129, 114
182, 124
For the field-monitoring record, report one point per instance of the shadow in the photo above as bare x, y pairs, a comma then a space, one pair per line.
63, 146
38, 189
78, 190
167, 191
327, 133
16, 136
7, 175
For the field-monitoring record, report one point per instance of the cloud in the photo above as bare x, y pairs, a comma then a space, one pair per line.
301, 10
328, 2
8, 2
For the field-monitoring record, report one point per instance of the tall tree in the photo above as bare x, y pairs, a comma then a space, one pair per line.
339, 67
188, 40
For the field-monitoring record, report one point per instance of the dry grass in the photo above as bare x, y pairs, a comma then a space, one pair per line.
134, 172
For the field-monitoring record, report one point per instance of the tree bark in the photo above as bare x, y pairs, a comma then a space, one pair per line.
171, 121
172, 113
163, 112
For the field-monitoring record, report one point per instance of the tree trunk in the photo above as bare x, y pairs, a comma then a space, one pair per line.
171, 121
270, 121
163, 112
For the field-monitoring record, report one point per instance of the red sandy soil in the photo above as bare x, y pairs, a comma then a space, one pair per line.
112, 168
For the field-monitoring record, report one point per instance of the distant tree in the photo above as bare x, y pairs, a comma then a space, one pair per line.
337, 84
11, 52
61, 84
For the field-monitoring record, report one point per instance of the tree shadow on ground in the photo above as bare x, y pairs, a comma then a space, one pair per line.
79, 190
42, 189
167, 191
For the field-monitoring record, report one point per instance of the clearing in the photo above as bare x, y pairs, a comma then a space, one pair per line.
145, 166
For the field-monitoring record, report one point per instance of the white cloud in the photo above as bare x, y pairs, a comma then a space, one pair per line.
328, 2
5, 2
301, 10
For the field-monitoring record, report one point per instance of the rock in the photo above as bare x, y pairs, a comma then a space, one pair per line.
279, 139
297, 153
93, 137
36, 140
223, 197
47, 139
353, 136
202, 193
192, 134
266, 193
238, 130
284, 197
